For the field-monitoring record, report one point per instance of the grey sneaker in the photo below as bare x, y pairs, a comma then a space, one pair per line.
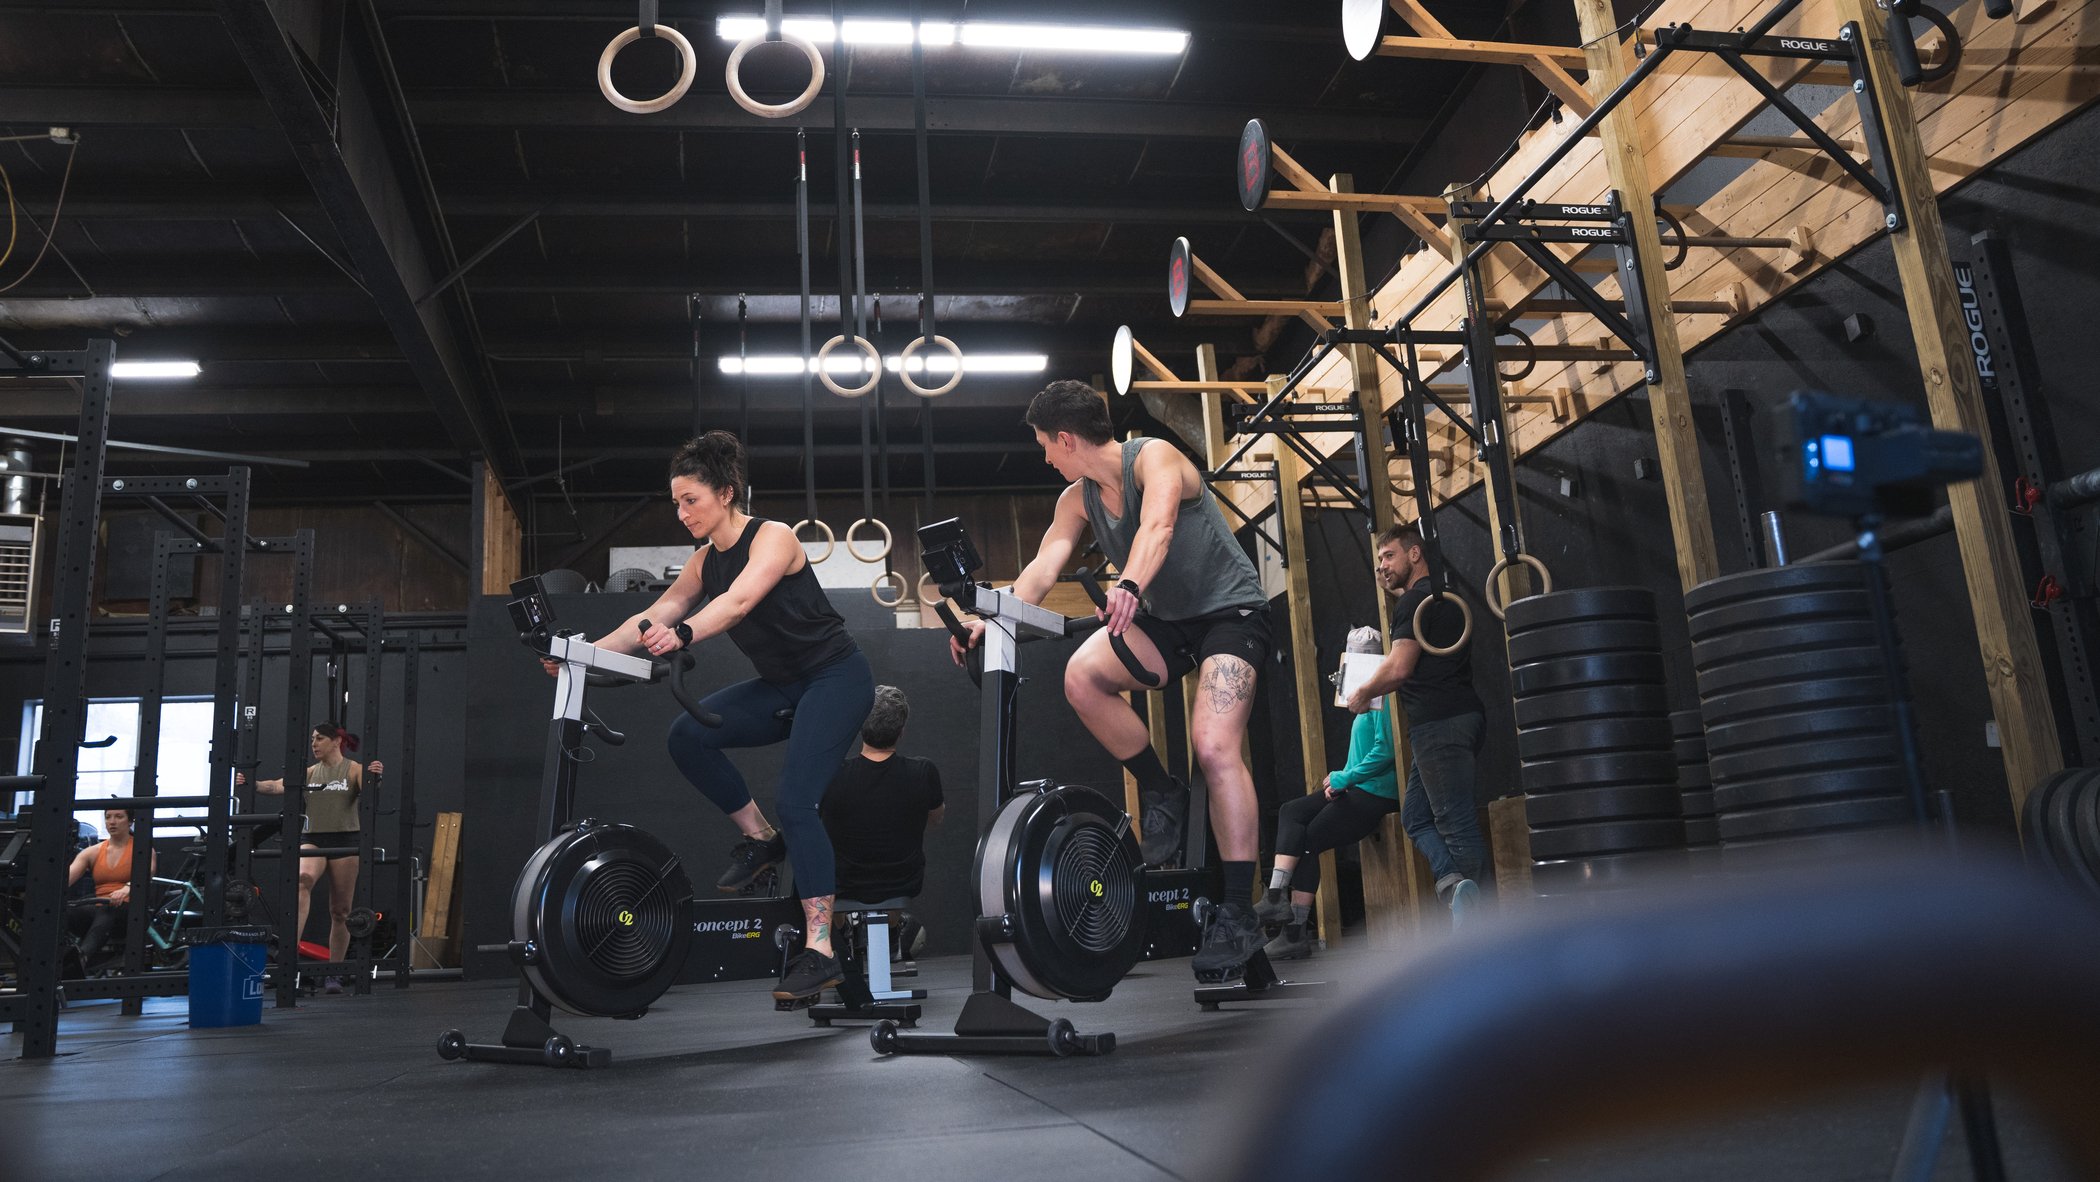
1273, 909
1229, 941
1293, 944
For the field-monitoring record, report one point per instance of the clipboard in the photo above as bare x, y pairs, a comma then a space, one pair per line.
1355, 670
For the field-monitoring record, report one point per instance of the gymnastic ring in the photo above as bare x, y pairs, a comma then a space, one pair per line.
793, 106
904, 366
1531, 354
1952, 36
886, 540
923, 580
1494, 572
886, 577
865, 346
648, 106
830, 539
1684, 246
1464, 634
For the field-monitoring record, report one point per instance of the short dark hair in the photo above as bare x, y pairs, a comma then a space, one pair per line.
1407, 535
715, 459
1072, 407
120, 809
885, 724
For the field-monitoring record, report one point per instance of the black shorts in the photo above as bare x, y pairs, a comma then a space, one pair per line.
346, 839
1186, 644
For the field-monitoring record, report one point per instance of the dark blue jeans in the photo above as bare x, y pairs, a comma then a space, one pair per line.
1438, 813
830, 704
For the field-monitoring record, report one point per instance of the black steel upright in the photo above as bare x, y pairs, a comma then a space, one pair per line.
298, 707
57, 756
403, 775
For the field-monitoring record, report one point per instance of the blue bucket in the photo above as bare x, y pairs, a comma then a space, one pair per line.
226, 984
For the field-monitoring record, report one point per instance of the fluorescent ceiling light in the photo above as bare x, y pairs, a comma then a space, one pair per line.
842, 361
154, 370
1087, 39
978, 34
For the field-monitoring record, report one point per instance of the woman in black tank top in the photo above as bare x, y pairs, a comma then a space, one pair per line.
750, 580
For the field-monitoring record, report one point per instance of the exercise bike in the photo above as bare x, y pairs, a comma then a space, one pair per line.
1058, 878
601, 914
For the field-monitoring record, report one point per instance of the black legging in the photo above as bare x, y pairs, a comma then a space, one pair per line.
1313, 824
92, 924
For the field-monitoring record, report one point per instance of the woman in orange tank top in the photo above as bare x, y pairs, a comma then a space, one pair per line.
110, 862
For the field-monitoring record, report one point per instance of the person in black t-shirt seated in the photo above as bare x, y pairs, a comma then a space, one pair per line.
1444, 722
880, 806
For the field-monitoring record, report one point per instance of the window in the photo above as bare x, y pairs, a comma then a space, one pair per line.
183, 769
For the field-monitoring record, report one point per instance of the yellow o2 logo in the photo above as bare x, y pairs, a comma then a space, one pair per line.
1094, 888
626, 919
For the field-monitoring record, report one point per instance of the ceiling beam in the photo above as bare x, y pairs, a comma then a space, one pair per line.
352, 158
153, 201
1042, 115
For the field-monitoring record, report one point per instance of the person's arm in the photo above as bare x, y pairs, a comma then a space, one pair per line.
1391, 674
1165, 478
939, 811
773, 554
676, 603
1068, 524
83, 863
1370, 759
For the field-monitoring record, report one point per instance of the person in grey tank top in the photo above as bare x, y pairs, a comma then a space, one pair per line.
1188, 598
334, 785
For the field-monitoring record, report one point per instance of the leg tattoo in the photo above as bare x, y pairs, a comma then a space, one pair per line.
1227, 683
816, 915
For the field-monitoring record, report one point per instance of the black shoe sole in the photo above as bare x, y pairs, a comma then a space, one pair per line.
812, 995
730, 888
1224, 976
1303, 954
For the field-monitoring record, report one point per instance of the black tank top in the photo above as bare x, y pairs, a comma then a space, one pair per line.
791, 632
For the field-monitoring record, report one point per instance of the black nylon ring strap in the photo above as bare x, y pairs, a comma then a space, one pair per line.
929, 330
772, 11
809, 393
743, 358
692, 315
646, 21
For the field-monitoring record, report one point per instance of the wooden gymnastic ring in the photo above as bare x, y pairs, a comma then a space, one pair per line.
887, 540
865, 346
888, 576
904, 366
793, 106
647, 106
830, 539
1464, 634
1494, 572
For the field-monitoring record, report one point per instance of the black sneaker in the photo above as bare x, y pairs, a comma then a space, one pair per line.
1293, 944
807, 976
1162, 818
1273, 909
749, 858
1232, 936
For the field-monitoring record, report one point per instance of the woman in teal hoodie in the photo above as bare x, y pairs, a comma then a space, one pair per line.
1350, 805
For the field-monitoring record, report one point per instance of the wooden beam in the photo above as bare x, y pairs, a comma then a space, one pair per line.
1198, 386
1242, 307
1151, 362
1506, 53
1301, 177
1408, 209
2028, 737
1669, 397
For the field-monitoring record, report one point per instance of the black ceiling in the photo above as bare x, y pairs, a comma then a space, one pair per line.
194, 224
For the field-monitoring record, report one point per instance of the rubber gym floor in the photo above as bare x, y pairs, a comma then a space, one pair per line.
714, 1084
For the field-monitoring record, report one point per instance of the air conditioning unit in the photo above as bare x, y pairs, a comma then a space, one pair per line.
18, 548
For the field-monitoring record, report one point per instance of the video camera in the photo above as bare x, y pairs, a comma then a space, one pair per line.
1852, 457
948, 556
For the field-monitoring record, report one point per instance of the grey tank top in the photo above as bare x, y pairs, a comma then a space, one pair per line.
1205, 573
331, 806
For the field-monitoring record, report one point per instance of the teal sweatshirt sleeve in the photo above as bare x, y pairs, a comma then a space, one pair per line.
1370, 757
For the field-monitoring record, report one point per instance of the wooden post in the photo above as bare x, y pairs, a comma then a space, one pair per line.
1669, 399
1305, 673
1393, 877
501, 543
2012, 668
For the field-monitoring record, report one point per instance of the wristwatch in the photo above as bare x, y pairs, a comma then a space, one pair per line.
684, 632
1128, 585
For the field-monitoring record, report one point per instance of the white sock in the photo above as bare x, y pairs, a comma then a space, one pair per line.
1279, 878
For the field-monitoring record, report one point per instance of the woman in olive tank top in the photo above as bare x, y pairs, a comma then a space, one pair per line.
335, 784
751, 581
